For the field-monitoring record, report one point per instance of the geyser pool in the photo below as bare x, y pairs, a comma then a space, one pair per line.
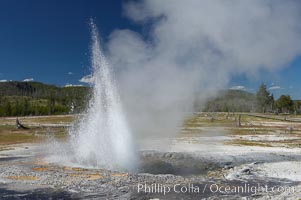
102, 137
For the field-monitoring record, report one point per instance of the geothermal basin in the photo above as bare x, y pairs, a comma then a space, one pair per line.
203, 154
95, 156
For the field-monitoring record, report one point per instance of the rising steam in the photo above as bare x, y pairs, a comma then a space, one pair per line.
193, 47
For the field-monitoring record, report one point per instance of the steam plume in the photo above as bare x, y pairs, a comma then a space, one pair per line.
194, 47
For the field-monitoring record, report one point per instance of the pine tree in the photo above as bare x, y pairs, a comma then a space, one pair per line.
263, 98
285, 103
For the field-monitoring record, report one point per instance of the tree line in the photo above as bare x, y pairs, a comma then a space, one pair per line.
284, 104
33, 98
24, 106
241, 101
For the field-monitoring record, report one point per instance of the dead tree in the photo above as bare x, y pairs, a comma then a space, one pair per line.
238, 121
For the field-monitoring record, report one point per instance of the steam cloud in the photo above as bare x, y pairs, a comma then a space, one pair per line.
193, 47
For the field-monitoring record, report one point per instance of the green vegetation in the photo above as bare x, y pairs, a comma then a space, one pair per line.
285, 103
33, 98
242, 101
264, 100
231, 101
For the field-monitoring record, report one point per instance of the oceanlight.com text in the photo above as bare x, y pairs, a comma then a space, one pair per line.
213, 188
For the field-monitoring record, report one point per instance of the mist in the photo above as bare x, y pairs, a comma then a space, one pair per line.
191, 49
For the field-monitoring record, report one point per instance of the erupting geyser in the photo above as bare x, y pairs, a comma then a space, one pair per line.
102, 138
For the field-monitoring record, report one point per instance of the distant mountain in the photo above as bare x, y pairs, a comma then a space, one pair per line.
35, 98
231, 101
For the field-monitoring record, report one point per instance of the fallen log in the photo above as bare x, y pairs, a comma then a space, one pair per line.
19, 125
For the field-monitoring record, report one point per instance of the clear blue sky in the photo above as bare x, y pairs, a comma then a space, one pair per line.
47, 39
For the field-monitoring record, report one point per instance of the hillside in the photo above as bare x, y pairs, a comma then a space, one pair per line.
34, 98
231, 101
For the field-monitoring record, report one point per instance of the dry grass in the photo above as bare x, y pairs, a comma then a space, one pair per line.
268, 124
248, 143
10, 135
251, 125
208, 120
52, 119
16, 138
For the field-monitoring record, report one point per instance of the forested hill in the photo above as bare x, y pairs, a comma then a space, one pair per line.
34, 98
242, 101
232, 101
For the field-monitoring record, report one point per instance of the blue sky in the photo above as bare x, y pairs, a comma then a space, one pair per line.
285, 81
45, 40
49, 42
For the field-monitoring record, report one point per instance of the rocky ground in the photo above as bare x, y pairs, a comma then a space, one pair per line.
209, 160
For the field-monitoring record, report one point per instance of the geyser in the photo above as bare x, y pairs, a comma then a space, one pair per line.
102, 137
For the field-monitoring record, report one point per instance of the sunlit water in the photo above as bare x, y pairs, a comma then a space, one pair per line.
102, 137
